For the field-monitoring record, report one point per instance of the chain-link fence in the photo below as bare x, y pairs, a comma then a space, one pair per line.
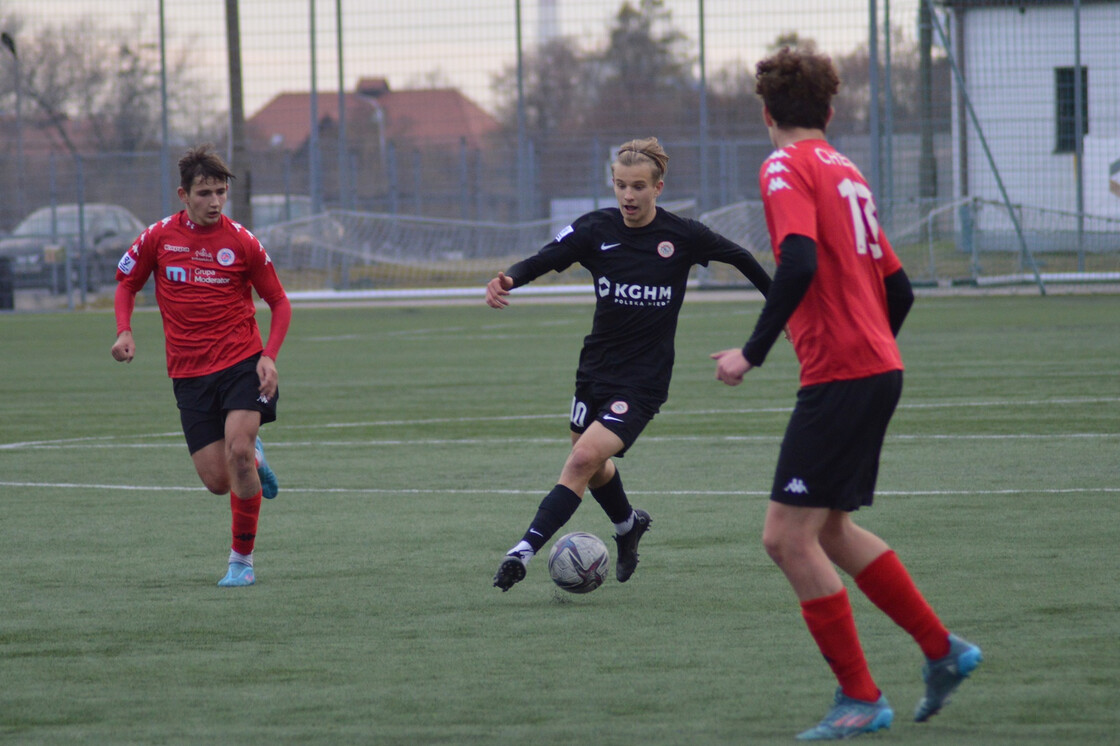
989, 129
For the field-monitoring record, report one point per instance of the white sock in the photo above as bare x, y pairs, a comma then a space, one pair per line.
625, 526
526, 550
245, 559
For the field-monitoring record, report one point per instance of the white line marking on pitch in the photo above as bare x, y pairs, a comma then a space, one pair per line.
413, 491
562, 416
486, 442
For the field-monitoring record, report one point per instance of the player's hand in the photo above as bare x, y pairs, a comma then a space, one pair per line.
497, 290
731, 366
124, 349
270, 379
787, 333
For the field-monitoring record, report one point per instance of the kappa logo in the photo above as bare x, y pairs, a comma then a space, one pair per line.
776, 167
608, 246
776, 185
778, 154
796, 487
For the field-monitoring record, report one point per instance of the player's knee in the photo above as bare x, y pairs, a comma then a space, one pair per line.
585, 461
240, 455
781, 547
216, 483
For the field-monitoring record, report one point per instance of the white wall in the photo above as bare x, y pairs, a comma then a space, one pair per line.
1009, 67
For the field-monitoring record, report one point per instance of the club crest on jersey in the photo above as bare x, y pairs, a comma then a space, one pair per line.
226, 257
620, 407
665, 249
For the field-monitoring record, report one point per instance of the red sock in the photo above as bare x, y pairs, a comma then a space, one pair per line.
245, 513
831, 623
889, 586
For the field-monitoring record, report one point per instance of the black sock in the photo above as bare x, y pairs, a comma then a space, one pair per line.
555, 510
613, 499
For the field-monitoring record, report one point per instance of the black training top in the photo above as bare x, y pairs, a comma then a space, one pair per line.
640, 276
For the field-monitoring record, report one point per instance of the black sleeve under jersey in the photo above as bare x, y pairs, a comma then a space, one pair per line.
900, 297
791, 282
727, 251
554, 257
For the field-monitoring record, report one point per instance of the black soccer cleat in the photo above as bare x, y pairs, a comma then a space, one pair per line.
627, 560
511, 571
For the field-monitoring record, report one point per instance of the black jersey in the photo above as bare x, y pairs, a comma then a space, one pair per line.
640, 277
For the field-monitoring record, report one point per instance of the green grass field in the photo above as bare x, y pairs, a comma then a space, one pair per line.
413, 446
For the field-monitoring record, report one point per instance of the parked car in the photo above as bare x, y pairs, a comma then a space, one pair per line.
38, 246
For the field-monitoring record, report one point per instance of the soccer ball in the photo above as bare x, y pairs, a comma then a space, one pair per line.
579, 562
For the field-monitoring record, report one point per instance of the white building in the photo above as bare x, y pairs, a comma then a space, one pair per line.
1018, 59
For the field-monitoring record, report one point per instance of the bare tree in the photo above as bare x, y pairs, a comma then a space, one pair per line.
80, 74
854, 99
645, 75
558, 90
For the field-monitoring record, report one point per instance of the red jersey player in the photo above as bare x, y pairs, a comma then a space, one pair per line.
844, 295
225, 383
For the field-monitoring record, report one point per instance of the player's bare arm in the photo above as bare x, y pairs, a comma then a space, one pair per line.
124, 349
497, 290
731, 366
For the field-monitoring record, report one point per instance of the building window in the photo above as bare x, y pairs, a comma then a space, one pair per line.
1064, 95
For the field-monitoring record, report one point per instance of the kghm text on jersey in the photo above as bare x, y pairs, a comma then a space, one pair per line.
635, 294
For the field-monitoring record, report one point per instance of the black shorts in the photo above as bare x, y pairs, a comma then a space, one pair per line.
625, 413
830, 453
204, 401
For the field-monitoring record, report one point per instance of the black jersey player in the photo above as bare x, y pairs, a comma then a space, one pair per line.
640, 257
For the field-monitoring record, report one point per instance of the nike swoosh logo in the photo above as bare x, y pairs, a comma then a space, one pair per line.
608, 246
612, 419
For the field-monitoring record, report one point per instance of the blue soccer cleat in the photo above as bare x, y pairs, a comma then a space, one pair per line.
270, 487
849, 718
944, 675
239, 576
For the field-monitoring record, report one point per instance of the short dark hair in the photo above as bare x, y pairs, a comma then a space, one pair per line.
797, 87
204, 161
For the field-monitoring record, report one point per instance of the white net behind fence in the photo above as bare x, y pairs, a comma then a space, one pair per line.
970, 241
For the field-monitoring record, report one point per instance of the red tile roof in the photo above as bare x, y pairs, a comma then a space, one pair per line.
439, 116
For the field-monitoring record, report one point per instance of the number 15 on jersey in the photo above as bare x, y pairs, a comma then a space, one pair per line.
865, 224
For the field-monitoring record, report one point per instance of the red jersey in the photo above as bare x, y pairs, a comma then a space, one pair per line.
841, 329
204, 276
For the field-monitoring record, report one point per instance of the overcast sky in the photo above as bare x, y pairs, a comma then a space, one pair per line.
453, 42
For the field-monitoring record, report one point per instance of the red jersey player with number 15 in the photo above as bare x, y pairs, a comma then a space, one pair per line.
844, 294
226, 385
